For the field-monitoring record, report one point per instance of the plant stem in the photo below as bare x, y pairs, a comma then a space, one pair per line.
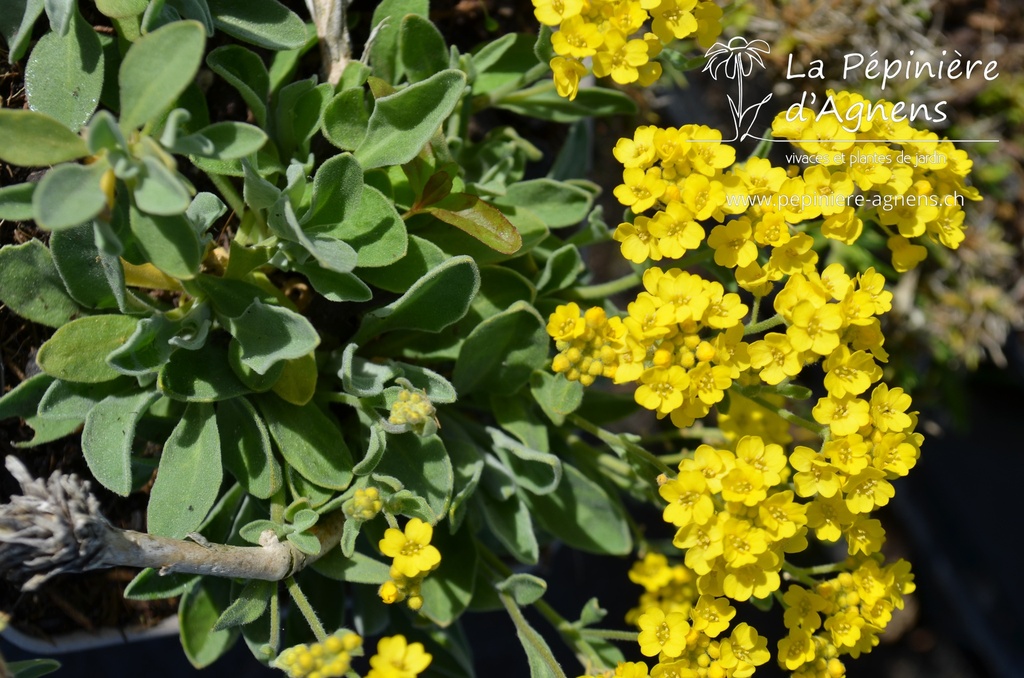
227, 189
606, 289
609, 634
766, 324
812, 426
300, 600
615, 440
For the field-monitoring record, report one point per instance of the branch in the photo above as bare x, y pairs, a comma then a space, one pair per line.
55, 527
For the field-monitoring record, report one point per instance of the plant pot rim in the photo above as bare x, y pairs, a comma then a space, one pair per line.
77, 641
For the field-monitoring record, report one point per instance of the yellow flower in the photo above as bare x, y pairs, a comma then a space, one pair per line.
620, 58
675, 230
733, 243
661, 633
567, 73
640, 190
397, 658
413, 555
673, 20
577, 38
553, 12
638, 243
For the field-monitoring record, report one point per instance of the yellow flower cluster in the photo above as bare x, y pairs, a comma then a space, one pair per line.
413, 559
607, 32
413, 408
914, 183
364, 505
328, 659
856, 607
688, 176
681, 343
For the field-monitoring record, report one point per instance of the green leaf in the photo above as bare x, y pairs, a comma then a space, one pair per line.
423, 467
31, 287
23, 399
198, 612
249, 606
373, 229
169, 242
48, 430
542, 662
543, 102
151, 585
361, 377
503, 62
437, 388
335, 286
35, 140
33, 668
159, 191
525, 589
453, 241
359, 569
479, 219
69, 195
189, 475
305, 542
346, 118
267, 23
421, 47
245, 71
435, 301
583, 515
16, 24
402, 123
384, 50
92, 277
561, 269
157, 68
120, 9
556, 395
449, 588
68, 400
245, 448
64, 74
16, 202
270, 334
510, 523
222, 141
559, 204
337, 192
108, 435
78, 350
421, 256
591, 613
203, 375
298, 381
536, 472
501, 353
309, 441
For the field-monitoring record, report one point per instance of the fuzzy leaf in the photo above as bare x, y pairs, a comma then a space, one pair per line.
198, 612
204, 376
245, 71
78, 350
309, 441
249, 606
189, 475
169, 242
267, 23
69, 195
479, 219
421, 48
499, 354
108, 435
64, 74
245, 448
435, 301
346, 118
157, 69
35, 140
270, 334
402, 123
31, 287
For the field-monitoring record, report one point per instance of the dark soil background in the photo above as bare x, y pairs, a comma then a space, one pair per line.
955, 517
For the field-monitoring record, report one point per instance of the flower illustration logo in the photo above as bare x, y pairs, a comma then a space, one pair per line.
736, 60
